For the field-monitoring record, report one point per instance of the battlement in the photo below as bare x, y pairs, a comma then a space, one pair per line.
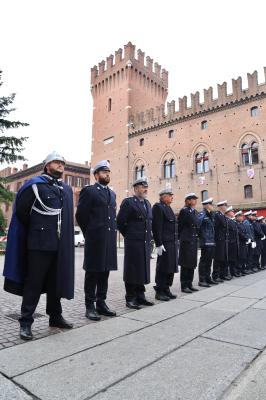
126, 60
155, 116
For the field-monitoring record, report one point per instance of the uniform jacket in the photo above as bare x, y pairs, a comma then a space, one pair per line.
243, 238
206, 228
165, 232
96, 216
30, 230
188, 236
221, 236
134, 221
249, 229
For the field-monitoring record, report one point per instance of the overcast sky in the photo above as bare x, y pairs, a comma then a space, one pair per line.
48, 47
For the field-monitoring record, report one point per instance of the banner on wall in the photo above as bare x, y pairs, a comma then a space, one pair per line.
201, 180
250, 173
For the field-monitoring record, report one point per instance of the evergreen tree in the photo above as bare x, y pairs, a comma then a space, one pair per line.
11, 147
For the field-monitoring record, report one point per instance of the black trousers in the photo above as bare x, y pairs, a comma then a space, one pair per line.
163, 280
220, 269
263, 257
186, 277
205, 263
250, 257
41, 273
95, 286
134, 292
233, 267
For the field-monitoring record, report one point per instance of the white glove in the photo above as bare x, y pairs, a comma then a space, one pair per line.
160, 249
253, 245
249, 241
263, 238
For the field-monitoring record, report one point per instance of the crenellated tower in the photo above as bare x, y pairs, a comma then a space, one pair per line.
123, 85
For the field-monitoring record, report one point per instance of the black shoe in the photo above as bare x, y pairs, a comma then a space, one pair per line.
211, 281
255, 270
161, 296
204, 284
133, 304
144, 302
227, 278
186, 290
193, 289
237, 275
92, 314
218, 280
170, 294
25, 333
103, 309
59, 322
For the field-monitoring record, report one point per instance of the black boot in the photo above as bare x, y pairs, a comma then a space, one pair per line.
211, 281
170, 294
186, 290
193, 289
25, 333
132, 303
161, 296
103, 309
203, 284
59, 322
144, 302
91, 313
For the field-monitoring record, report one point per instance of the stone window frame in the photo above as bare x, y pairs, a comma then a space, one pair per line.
139, 169
168, 166
248, 191
250, 145
254, 111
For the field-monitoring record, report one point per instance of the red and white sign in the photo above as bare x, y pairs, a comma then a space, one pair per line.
250, 173
201, 180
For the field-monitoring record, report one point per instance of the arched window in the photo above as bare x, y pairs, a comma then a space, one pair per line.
205, 162
248, 192
171, 134
141, 141
139, 172
166, 169
109, 104
172, 168
254, 111
204, 124
198, 162
142, 171
250, 154
254, 153
204, 195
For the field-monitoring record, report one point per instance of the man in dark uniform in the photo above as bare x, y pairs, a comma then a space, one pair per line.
261, 220
40, 247
207, 243
259, 236
243, 243
188, 237
134, 221
251, 243
221, 243
232, 268
165, 234
96, 216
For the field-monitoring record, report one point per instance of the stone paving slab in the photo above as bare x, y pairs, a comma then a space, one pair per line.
260, 304
230, 303
255, 291
19, 359
247, 329
163, 311
10, 391
212, 293
210, 366
86, 373
251, 384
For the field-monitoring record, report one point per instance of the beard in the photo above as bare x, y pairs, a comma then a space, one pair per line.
55, 174
104, 181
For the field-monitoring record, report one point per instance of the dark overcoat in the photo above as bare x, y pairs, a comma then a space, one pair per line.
134, 221
165, 232
258, 234
188, 237
263, 249
232, 240
243, 238
96, 216
30, 230
220, 236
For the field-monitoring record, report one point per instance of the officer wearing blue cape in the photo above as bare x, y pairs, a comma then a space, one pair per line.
40, 245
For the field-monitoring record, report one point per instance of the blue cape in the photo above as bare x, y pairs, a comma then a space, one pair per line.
15, 267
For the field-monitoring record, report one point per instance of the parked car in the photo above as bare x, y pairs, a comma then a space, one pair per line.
79, 239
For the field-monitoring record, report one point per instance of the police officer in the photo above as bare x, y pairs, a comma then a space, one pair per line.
259, 237
188, 237
40, 247
221, 243
243, 240
261, 220
251, 243
164, 228
232, 255
134, 221
96, 216
207, 243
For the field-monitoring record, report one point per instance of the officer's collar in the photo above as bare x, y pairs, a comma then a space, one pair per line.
53, 180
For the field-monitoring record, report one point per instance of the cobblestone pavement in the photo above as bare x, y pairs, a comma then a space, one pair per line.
73, 310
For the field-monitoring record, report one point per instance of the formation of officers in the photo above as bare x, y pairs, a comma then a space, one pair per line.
40, 244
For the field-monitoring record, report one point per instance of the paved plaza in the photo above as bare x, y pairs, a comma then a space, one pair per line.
205, 346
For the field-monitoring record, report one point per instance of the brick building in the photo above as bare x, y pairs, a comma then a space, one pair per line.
75, 175
214, 148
